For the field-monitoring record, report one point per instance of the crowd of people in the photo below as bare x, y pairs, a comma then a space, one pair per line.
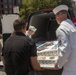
19, 51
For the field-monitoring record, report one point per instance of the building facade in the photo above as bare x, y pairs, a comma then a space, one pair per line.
7, 7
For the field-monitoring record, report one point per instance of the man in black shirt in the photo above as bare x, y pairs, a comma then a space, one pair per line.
19, 51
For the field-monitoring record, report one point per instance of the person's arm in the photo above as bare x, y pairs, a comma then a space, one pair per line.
35, 64
64, 48
33, 57
2, 56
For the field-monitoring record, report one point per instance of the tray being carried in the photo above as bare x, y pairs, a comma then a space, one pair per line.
47, 54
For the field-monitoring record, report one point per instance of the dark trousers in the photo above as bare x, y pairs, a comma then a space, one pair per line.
10, 71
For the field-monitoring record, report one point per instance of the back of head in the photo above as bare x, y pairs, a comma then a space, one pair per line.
19, 24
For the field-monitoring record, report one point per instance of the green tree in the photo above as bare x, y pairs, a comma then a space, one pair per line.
29, 6
67, 2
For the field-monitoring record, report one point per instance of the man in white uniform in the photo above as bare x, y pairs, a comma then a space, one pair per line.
30, 31
66, 34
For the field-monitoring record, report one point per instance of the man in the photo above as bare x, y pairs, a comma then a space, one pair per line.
19, 51
30, 31
66, 34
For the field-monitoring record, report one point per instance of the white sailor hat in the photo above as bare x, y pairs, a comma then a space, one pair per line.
32, 28
59, 8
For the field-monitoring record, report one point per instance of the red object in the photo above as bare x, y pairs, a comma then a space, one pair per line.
48, 9
74, 21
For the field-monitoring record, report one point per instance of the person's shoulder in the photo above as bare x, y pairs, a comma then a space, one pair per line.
30, 40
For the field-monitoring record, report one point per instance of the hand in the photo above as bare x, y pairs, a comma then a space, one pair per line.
42, 69
56, 67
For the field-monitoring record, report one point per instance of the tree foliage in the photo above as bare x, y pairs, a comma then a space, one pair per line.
29, 6
67, 2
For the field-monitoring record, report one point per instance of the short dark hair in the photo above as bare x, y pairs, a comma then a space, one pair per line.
63, 12
19, 24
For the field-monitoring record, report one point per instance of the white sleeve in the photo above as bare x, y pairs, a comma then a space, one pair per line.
64, 48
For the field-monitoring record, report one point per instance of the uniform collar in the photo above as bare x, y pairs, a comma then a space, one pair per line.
67, 21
